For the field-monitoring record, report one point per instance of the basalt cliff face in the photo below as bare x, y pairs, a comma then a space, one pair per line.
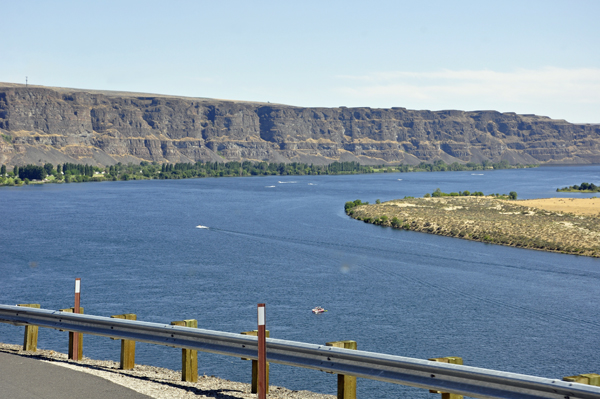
42, 124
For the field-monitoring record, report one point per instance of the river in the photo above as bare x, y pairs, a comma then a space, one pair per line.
286, 241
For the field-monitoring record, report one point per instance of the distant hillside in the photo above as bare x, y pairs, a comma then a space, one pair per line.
57, 125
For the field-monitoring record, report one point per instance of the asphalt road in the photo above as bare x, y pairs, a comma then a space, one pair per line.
25, 378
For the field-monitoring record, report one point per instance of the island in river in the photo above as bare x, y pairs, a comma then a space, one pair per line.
565, 225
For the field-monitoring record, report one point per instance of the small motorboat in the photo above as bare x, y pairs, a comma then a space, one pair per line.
318, 310
201, 227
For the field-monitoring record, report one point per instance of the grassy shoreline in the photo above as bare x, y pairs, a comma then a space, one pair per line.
490, 220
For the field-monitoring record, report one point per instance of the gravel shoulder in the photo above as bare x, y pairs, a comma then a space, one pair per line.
157, 382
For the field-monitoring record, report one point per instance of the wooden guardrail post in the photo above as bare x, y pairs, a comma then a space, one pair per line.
589, 379
75, 343
189, 357
72, 336
31, 332
254, 388
451, 360
127, 346
346, 383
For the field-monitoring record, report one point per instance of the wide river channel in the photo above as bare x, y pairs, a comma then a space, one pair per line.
287, 242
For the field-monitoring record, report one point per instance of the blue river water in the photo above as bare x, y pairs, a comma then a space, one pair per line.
286, 241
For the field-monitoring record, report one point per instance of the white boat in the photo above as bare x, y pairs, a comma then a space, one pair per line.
201, 227
318, 310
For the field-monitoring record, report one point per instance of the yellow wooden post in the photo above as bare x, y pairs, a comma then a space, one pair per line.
254, 388
71, 335
189, 357
346, 383
589, 379
127, 346
31, 332
451, 360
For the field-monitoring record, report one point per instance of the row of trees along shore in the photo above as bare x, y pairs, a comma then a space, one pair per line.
75, 173
438, 193
581, 188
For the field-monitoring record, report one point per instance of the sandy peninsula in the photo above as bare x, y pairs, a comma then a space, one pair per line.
565, 225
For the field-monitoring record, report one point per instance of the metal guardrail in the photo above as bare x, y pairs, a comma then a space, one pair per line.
465, 380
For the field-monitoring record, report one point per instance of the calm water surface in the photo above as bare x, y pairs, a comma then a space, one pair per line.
286, 241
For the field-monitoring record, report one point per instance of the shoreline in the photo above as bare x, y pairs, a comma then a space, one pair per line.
563, 225
158, 382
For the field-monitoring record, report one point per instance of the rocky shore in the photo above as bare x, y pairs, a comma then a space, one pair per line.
564, 225
157, 382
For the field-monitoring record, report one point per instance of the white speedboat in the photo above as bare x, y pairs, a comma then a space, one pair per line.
318, 310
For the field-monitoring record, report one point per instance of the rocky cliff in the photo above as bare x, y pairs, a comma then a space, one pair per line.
42, 124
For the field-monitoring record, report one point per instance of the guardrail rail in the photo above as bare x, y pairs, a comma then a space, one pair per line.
453, 378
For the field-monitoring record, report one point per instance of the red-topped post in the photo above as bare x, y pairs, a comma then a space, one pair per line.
262, 353
76, 311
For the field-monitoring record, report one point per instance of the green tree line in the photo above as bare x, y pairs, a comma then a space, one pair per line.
438, 193
71, 173
583, 187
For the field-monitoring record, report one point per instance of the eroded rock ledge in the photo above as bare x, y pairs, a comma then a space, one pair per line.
43, 124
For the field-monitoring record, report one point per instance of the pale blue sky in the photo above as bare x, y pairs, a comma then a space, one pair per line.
539, 57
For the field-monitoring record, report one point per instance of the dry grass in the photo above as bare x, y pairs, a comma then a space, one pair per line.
578, 206
558, 225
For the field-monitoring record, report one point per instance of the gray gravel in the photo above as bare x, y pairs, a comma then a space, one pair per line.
157, 382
